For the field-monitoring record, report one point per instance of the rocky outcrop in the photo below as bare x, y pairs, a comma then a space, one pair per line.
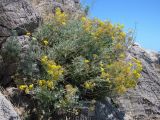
7, 111
143, 102
17, 15
47, 7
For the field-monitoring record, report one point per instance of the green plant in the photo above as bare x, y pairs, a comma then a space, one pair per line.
78, 60
11, 50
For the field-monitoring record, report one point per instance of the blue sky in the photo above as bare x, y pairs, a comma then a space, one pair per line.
144, 15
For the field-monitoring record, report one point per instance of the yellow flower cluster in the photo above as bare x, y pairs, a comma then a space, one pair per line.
136, 74
104, 29
139, 67
98, 28
26, 88
45, 42
46, 83
121, 89
138, 64
86, 61
56, 71
118, 46
121, 74
89, 85
60, 16
87, 24
104, 75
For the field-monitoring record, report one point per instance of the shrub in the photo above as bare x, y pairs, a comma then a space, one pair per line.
11, 50
79, 60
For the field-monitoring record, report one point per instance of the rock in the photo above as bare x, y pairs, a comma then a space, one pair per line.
22, 103
17, 15
143, 102
105, 110
7, 111
1, 65
47, 7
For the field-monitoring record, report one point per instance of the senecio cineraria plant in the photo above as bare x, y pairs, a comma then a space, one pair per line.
79, 60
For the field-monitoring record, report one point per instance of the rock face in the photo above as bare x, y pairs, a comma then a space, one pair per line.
143, 102
7, 111
17, 15
46, 7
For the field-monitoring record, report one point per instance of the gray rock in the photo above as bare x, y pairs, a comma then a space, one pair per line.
105, 110
143, 102
17, 15
46, 7
1, 65
7, 111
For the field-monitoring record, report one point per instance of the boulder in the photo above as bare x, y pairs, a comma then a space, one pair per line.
7, 111
47, 7
17, 15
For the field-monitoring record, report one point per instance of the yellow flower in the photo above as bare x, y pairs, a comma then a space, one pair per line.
136, 74
63, 23
83, 19
44, 59
30, 87
45, 42
130, 64
122, 55
28, 34
27, 90
50, 84
123, 35
113, 38
105, 75
41, 82
86, 61
101, 23
58, 11
54, 70
121, 89
86, 85
89, 85
102, 69
50, 72
118, 46
60, 17
23, 87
